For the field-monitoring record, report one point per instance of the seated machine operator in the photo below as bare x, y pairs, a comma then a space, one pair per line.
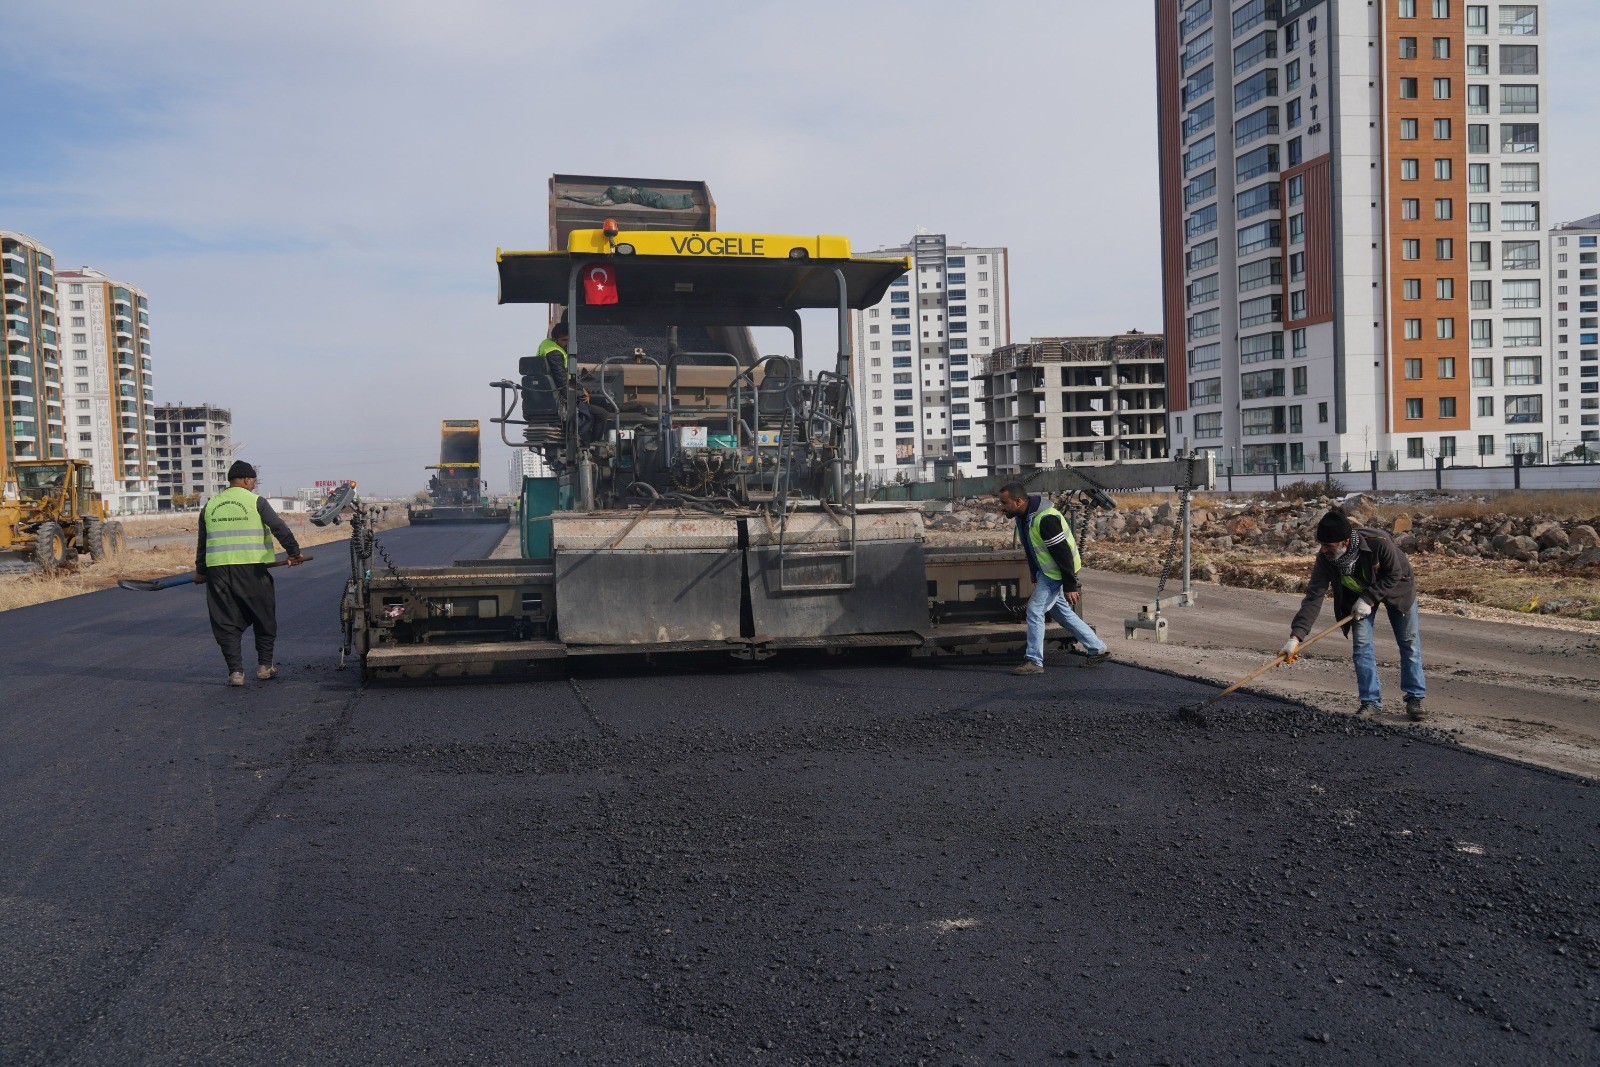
545, 376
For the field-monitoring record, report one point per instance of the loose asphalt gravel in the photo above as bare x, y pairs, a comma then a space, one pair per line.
887, 862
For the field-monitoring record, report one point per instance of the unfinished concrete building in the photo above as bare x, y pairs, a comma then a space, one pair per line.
194, 447
1076, 399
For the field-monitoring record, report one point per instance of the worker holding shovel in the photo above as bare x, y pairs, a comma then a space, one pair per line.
231, 560
1365, 568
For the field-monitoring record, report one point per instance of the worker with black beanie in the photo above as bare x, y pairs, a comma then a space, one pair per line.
1365, 568
230, 560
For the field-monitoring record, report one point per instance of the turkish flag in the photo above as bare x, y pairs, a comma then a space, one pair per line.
599, 285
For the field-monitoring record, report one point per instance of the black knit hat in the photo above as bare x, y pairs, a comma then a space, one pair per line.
240, 471
1333, 528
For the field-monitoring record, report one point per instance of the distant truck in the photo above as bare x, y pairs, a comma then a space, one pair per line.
455, 490
57, 517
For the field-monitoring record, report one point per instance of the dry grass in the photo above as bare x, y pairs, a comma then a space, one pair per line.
1582, 504
157, 561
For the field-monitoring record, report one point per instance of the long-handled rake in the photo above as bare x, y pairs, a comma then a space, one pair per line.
1195, 712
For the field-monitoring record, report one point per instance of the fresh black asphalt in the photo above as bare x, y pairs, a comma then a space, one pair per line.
806, 862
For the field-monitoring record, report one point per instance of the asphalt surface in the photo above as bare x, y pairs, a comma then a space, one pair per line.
885, 862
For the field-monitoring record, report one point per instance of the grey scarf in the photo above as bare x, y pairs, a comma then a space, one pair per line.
1347, 562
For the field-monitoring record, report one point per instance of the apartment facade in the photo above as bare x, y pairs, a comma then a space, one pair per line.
193, 446
30, 378
111, 391
1079, 400
1351, 202
918, 354
1574, 258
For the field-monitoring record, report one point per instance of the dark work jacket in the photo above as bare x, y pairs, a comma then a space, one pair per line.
274, 522
1049, 527
1382, 569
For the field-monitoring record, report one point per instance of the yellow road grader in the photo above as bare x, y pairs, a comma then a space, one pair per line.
56, 516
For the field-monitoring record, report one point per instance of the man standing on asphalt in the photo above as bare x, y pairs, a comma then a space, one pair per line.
1054, 563
235, 546
1365, 568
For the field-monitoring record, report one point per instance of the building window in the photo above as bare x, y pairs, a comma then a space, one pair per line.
1441, 48
1444, 248
1482, 333
1518, 20
1486, 444
1411, 248
1413, 331
1443, 208
1444, 329
1300, 379
1298, 338
1519, 99
1441, 9
1444, 289
1410, 209
1413, 369
1477, 18
1441, 88
1482, 371
1414, 407
1517, 177
1411, 289
1441, 170
1441, 129
1519, 137
1408, 88
1519, 59
1447, 407
1408, 48
1408, 170
1408, 129
1446, 367
1408, 9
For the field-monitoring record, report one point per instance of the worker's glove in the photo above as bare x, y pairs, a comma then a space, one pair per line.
1362, 609
1291, 650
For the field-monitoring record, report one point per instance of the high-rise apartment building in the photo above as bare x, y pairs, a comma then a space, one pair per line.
1351, 204
110, 392
1080, 400
30, 379
918, 353
1574, 258
193, 445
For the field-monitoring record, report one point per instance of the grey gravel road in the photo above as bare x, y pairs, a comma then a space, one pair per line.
794, 863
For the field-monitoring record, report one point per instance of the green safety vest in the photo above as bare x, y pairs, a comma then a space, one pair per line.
235, 534
548, 346
1041, 552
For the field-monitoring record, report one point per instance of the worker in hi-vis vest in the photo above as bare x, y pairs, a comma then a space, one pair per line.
1054, 562
236, 532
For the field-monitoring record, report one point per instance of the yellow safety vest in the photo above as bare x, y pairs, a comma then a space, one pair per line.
1042, 555
235, 534
548, 346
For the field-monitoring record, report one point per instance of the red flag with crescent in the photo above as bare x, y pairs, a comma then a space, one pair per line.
599, 284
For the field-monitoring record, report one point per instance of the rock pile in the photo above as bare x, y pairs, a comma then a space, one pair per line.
1289, 528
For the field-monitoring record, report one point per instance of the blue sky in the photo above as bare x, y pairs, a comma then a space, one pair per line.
312, 192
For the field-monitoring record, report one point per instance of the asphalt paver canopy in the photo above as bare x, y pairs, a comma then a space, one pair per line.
796, 862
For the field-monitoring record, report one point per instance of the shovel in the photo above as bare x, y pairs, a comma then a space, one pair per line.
1194, 712
151, 585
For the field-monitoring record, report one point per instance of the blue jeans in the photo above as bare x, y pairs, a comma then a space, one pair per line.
1407, 635
1048, 599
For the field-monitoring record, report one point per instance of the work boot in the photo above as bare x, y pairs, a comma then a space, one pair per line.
1094, 659
1414, 709
236, 678
1028, 667
266, 672
1369, 710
